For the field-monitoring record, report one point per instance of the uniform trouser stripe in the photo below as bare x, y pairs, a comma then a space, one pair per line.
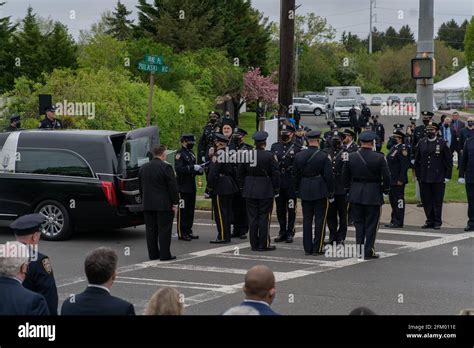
220, 218
324, 226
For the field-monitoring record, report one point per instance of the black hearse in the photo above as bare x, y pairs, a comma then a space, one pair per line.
75, 178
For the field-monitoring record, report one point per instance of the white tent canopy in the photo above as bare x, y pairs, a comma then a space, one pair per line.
459, 82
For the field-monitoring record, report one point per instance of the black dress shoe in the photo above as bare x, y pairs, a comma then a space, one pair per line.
280, 238
308, 254
269, 248
372, 257
317, 253
469, 228
219, 241
169, 258
193, 236
437, 227
243, 236
186, 238
425, 226
419, 205
289, 239
390, 225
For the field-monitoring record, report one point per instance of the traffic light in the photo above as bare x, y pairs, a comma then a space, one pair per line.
422, 68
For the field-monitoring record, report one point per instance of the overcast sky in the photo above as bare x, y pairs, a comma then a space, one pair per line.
349, 15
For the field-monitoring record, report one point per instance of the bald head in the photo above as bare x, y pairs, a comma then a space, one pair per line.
260, 284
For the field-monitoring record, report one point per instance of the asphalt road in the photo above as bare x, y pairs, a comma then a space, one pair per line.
388, 121
420, 272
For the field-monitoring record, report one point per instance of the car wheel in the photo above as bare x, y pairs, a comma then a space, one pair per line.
317, 112
58, 224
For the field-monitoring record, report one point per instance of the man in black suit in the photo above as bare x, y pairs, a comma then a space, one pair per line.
101, 270
466, 176
159, 191
40, 277
315, 185
14, 298
366, 177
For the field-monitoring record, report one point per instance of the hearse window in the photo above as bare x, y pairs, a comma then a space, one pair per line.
51, 162
137, 152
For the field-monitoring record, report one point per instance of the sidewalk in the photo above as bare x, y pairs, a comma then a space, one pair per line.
454, 215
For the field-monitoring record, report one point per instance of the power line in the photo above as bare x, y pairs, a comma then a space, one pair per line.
344, 13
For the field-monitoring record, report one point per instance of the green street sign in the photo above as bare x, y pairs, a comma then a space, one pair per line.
156, 60
144, 66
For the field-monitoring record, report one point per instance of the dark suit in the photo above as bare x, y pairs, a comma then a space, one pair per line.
96, 301
259, 185
315, 183
433, 164
159, 192
466, 171
366, 183
262, 308
16, 300
40, 279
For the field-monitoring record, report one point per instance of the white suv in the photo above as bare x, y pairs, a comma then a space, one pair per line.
306, 106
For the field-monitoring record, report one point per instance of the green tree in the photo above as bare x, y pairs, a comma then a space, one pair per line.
182, 25
29, 47
469, 50
391, 37
60, 49
453, 34
7, 57
120, 27
352, 43
104, 51
405, 36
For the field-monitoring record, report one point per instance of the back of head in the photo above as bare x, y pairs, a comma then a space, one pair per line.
259, 283
12, 256
100, 265
165, 301
159, 150
241, 310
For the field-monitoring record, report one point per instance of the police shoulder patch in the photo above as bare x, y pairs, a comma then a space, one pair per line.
178, 156
405, 152
47, 265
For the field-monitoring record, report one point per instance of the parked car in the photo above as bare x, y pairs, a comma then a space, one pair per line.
376, 101
306, 106
318, 99
362, 100
409, 100
393, 99
76, 179
453, 102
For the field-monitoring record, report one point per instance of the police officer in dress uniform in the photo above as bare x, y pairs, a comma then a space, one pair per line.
378, 129
398, 160
50, 121
240, 219
221, 186
285, 151
207, 137
433, 169
392, 140
15, 123
337, 212
40, 277
348, 137
420, 131
186, 171
366, 177
466, 176
260, 184
315, 185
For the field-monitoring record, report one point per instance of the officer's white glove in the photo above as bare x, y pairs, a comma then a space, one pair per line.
331, 200
446, 180
203, 158
197, 168
462, 181
385, 195
412, 161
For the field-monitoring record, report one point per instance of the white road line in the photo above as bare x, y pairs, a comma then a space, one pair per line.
273, 259
435, 242
196, 268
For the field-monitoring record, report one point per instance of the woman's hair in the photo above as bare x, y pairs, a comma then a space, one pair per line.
165, 301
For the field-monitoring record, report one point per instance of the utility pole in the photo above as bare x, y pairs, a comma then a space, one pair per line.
372, 3
287, 55
425, 48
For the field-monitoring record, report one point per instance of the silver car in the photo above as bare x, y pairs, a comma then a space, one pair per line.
306, 106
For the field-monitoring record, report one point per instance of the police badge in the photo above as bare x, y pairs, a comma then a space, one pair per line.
438, 149
47, 265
